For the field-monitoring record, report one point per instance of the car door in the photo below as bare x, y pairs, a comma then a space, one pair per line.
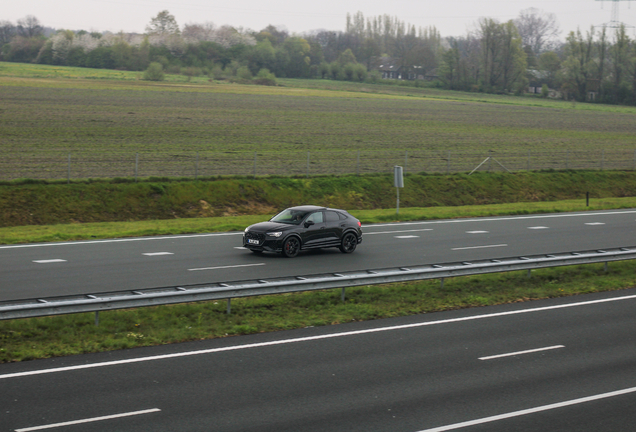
333, 227
314, 235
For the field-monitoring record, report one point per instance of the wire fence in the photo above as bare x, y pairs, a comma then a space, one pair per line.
85, 165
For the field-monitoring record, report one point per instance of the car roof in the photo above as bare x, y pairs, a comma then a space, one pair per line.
307, 208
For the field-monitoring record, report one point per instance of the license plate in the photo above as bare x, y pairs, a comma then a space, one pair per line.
252, 241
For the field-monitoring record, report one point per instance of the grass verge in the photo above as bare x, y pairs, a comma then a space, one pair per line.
46, 337
101, 230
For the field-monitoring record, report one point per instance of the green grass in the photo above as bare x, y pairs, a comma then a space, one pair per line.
103, 230
34, 338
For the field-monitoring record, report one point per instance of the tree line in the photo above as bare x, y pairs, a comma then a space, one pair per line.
497, 57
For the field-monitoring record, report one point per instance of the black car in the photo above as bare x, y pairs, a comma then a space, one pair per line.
304, 227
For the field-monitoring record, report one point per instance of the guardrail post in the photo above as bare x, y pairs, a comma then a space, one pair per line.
441, 286
529, 273
229, 306
343, 294
96, 318
605, 266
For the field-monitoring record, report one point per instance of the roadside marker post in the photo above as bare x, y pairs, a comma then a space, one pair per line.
398, 182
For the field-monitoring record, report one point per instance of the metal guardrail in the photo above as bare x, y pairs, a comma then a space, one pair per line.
194, 293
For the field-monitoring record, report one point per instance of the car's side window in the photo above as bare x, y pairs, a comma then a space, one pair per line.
315, 217
331, 216
341, 216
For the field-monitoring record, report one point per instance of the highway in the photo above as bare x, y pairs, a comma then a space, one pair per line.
42, 270
553, 365
563, 364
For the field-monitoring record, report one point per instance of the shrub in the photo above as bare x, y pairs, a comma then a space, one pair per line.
154, 72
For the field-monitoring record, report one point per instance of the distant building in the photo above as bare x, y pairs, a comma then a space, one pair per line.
392, 68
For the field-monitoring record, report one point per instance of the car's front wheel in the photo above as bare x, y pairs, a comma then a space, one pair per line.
349, 243
291, 247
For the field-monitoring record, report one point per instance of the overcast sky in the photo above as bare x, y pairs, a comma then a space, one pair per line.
450, 17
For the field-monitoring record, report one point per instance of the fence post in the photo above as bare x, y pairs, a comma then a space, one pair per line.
196, 168
308, 156
254, 164
136, 166
602, 159
358, 163
448, 163
406, 158
528, 160
567, 159
68, 174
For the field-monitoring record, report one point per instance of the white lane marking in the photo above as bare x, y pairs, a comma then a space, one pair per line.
49, 261
406, 236
490, 219
132, 239
531, 410
240, 247
595, 223
90, 420
560, 215
538, 227
314, 338
477, 232
157, 253
479, 247
226, 267
522, 352
397, 232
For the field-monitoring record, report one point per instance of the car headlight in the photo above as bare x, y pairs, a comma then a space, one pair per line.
247, 229
275, 234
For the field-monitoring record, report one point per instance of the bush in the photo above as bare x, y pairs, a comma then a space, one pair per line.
154, 72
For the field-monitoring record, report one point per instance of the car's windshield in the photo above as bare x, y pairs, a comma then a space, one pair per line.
290, 216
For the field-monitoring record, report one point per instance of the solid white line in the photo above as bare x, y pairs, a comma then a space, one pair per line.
480, 247
522, 352
490, 219
90, 420
477, 232
157, 253
595, 223
313, 338
559, 215
407, 237
538, 227
531, 410
132, 239
226, 267
49, 261
397, 232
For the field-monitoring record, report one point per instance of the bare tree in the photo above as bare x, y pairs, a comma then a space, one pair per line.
7, 31
29, 27
537, 29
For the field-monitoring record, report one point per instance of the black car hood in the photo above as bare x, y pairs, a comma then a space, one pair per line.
269, 227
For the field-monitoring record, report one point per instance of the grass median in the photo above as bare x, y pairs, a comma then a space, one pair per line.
35, 338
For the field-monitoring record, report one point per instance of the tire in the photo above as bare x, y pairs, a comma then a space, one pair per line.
291, 247
349, 243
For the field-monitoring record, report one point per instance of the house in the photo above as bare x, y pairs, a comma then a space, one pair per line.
392, 68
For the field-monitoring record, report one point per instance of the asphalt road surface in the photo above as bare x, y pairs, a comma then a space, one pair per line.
52, 269
565, 364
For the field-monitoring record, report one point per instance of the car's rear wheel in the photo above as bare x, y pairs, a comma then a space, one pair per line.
349, 243
291, 247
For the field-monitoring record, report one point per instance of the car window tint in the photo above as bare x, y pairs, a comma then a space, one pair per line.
316, 217
331, 216
341, 216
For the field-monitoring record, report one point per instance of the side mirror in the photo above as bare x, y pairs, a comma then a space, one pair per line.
309, 223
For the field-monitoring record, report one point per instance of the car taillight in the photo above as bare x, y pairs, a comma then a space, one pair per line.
359, 224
